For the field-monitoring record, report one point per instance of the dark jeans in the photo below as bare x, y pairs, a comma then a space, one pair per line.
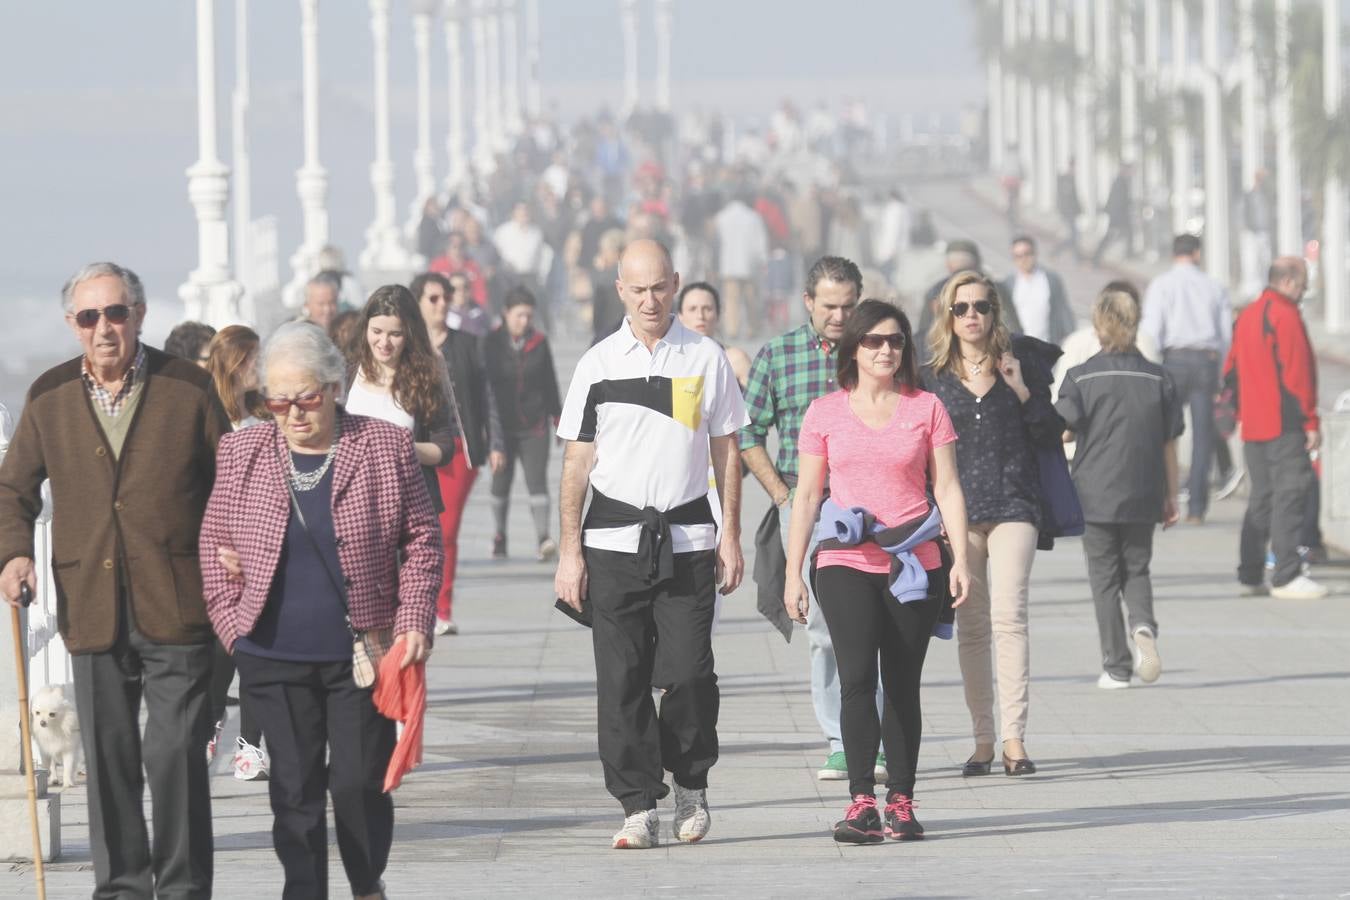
222, 674
1195, 373
865, 622
1281, 483
653, 635
306, 709
174, 680
1118, 559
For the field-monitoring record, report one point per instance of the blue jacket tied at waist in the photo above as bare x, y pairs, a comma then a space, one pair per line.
839, 528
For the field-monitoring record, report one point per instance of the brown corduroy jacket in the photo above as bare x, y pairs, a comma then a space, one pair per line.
140, 511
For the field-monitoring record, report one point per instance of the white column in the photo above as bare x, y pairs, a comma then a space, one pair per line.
1335, 302
482, 131
210, 293
534, 94
1011, 136
1288, 185
384, 251
1045, 144
1026, 114
1183, 152
311, 180
512, 122
1104, 40
994, 90
629, 24
492, 24
663, 38
1152, 63
456, 149
1252, 151
243, 207
1084, 104
1063, 112
1216, 155
424, 162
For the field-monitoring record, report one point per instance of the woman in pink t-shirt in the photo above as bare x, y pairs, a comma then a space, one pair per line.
882, 442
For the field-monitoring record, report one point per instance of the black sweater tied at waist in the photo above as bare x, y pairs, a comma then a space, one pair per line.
655, 551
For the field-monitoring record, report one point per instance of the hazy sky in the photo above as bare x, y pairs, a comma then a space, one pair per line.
98, 114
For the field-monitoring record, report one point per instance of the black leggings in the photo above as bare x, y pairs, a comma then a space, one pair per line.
864, 621
222, 674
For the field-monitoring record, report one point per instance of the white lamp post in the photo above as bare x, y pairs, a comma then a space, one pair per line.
628, 22
243, 210
1183, 152
496, 120
1085, 152
512, 123
424, 163
210, 293
663, 40
384, 251
534, 95
455, 147
311, 180
994, 90
1216, 156
1335, 303
482, 136
1288, 187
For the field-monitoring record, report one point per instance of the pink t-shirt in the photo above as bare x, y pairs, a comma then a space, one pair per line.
884, 471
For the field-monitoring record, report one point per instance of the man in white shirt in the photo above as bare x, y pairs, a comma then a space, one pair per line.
522, 247
645, 409
743, 252
1038, 295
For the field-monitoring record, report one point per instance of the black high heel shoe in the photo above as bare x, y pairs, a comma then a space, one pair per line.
975, 767
1022, 766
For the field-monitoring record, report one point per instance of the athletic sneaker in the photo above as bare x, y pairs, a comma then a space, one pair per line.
900, 822
1109, 682
835, 768
1147, 664
1301, 588
640, 831
1228, 484
250, 762
499, 546
692, 819
879, 771
548, 549
861, 823
211, 744
446, 626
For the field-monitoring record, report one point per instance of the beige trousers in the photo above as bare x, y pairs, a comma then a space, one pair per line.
999, 555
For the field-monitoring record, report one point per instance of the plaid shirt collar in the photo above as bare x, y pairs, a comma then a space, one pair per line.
110, 403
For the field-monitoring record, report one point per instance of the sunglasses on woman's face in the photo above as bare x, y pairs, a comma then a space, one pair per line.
280, 406
115, 313
875, 341
962, 309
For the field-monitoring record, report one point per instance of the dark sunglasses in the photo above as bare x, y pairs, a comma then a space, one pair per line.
874, 341
116, 313
280, 406
962, 309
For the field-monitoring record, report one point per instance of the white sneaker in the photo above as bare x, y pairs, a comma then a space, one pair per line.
548, 550
250, 762
1107, 682
446, 626
1301, 588
1147, 664
692, 819
640, 831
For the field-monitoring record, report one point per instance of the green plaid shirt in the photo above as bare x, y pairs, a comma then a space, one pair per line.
788, 373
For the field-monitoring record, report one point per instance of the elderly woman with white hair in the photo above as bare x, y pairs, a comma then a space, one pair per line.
320, 533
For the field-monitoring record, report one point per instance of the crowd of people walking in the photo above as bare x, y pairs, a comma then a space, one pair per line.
288, 506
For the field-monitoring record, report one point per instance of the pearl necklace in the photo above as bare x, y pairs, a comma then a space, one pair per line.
308, 481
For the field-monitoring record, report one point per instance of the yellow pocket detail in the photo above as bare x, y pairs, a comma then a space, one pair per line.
686, 401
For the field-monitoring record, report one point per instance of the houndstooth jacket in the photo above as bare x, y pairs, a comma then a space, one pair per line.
380, 507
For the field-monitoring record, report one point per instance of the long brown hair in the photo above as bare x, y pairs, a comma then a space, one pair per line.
942, 339
227, 355
417, 374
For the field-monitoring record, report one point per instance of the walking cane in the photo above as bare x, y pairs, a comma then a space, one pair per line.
25, 729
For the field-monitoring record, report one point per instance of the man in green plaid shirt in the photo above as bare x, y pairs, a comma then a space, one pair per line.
788, 373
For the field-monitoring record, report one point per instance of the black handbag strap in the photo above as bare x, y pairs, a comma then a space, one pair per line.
318, 551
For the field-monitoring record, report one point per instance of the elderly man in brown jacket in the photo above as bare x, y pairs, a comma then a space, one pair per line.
127, 435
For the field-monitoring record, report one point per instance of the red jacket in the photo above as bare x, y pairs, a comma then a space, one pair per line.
380, 507
1276, 369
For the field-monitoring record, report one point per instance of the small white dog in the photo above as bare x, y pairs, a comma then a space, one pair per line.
56, 728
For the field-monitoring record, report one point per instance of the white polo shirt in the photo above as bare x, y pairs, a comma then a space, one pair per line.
650, 414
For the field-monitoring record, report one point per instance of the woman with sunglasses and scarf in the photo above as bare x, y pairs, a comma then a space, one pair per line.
399, 378
319, 527
880, 580
999, 401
